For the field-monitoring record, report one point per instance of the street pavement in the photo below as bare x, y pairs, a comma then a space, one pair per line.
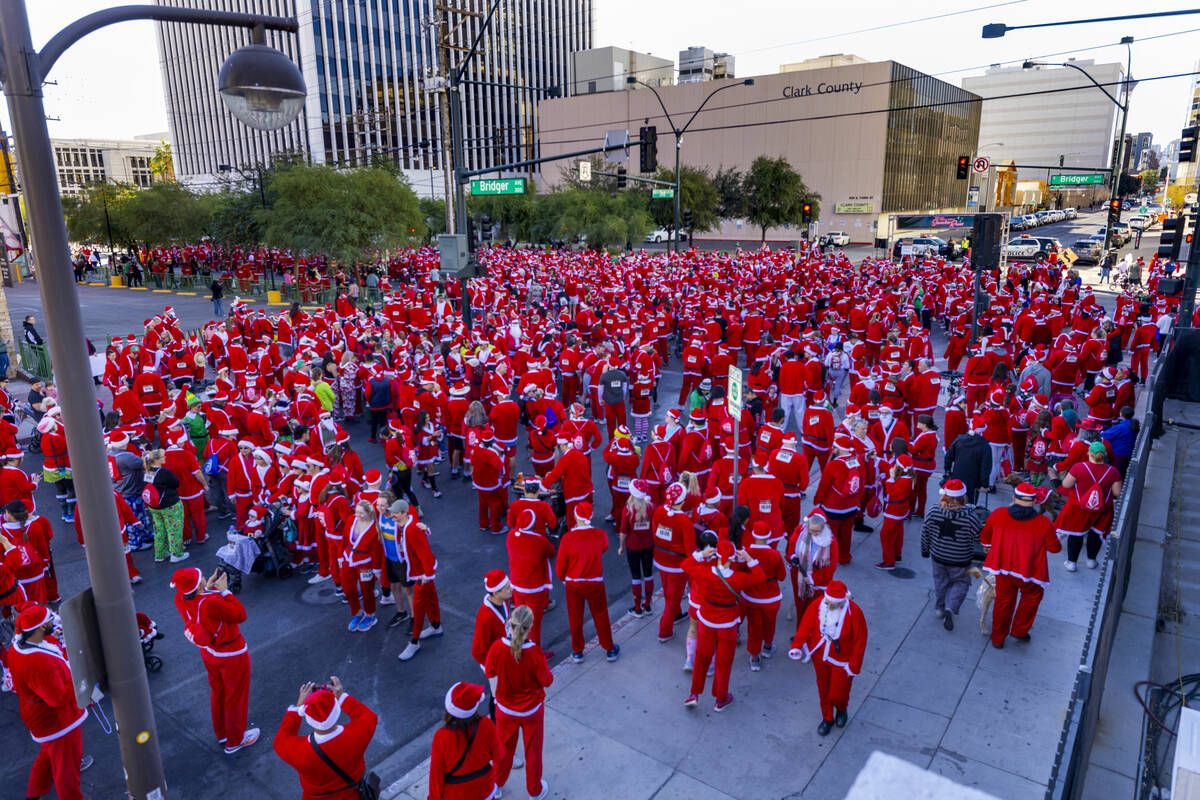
985, 717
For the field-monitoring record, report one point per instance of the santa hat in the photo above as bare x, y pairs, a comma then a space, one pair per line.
373, 476
725, 549
623, 432
843, 442
187, 580
583, 512
954, 488
527, 519
32, 618
818, 514
624, 445
978, 423
789, 441
487, 434
1025, 491
639, 489
761, 529
673, 414
675, 493
818, 398
118, 440
322, 710
760, 459
46, 424
495, 580
463, 699
246, 443
904, 460
712, 497
836, 590
660, 432
697, 418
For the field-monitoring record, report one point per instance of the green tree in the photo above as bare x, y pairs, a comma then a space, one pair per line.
1149, 180
347, 214
236, 218
86, 217
727, 181
162, 164
601, 219
513, 213
433, 211
774, 194
696, 194
164, 213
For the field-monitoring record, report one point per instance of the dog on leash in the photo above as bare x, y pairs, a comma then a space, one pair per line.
985, 593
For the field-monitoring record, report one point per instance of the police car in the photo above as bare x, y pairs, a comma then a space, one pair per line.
1025, 248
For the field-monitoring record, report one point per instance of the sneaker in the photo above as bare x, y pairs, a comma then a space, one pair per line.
1091, 563
768, 650
367, 622
612, 655
948, 620
430, 631
411, 650
178, 558
354, 620
682, 616
576, 658
755, 664
636, 612
688, 662
863, 527
250, 738
436, 494
135, 580
399, 619
315, 579
386, 598
885, 567
543, 794
666, 638
341, 596
691, 701
721, 705
1070, 565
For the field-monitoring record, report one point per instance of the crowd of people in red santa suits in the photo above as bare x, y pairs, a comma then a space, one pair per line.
840, 396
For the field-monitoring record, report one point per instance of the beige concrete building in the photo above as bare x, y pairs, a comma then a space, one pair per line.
79, 162
604, 69
824, 62
872, 139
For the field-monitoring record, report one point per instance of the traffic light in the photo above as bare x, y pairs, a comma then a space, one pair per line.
1171, 240
649, 152
964, 164
806, 213
687, 219
621, 178
1187, 143
1114, 212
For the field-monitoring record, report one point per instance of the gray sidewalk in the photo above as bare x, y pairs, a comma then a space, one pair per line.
946, 702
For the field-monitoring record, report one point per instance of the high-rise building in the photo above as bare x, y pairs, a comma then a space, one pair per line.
605, 69
1141, 142
698, 64
368, 67
1042, 115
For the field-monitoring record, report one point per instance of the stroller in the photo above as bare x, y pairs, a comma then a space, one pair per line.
261, 546
148, 632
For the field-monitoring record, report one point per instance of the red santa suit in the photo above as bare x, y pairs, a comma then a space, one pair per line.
520, 710
812, 561
345, 745
835, 639
1019, 538
762, 492
42, 681
674, 537
839, 496
529, 557
574, 469
817, 434
717, 591
580, 567
487, 476
761, 601
420, 568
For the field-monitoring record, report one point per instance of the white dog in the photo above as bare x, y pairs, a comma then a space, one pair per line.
985, 593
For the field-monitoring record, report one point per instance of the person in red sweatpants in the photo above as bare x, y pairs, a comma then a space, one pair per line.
517, 671
421, 570
840, 493
211, 619
717, 588
674, 534
898, 490
579, 567
833, 635
762, 601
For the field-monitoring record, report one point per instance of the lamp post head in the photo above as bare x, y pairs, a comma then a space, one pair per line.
261, 87
1030, 65
1126, 40
994, 30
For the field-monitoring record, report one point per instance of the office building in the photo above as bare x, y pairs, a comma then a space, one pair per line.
1141, 143
1170, 159
823, 62
1046, 115
370, 67
832, 125
604, 69
698, 64
79, 162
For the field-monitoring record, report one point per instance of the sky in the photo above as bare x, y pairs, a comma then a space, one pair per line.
109, 84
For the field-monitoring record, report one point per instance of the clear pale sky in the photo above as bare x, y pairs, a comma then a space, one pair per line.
109, 84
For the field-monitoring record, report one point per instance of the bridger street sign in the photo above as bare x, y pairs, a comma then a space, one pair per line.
498, 186
1085, 179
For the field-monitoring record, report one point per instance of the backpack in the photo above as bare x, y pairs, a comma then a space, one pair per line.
151, 496
113, 471
212, 466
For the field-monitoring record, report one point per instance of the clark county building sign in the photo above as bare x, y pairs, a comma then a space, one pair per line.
849, 87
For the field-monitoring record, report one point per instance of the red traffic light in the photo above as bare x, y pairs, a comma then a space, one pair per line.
1115, 205
962, 161
807, 208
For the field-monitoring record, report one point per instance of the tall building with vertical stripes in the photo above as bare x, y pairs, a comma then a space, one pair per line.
368, 66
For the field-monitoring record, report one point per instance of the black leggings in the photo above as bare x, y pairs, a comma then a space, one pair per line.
1075, 544
402, 486
376, 418
641, 563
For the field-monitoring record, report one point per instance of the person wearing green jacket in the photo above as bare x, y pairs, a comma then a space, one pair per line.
196, 423
698, 399
322, 390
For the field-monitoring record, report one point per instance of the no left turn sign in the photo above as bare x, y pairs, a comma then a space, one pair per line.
981, 164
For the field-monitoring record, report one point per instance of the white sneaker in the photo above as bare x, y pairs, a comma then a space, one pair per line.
387, 599
518, 758
250, 738
431, 630
543, 794
410, 651
687, 664
177, 559
1070, 565
315, 579
1091, 563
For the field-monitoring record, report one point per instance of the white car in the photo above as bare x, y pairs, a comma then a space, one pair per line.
664, 235
1024, 248
838, 238
1139, 222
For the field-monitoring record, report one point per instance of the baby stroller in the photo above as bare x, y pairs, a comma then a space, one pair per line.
258, 547
148, 633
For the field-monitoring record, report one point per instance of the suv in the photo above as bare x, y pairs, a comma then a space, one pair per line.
926, 246
1088, 250
664, 235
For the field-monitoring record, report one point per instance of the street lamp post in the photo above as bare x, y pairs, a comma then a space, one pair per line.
1127, 86
259, 95
678, 133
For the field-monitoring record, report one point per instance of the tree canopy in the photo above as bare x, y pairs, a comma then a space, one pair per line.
775, 193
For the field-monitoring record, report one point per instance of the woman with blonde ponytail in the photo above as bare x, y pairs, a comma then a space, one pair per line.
517, 670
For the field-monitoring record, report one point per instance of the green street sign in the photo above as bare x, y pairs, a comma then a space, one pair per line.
662, 193
1142, 209
498, 186
1085, 179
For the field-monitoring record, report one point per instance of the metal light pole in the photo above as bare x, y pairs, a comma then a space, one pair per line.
23, 70
678, 133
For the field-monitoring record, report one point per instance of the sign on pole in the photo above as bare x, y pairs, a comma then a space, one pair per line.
585, 171
981, 164
617, 139
1083, 179
492, 186
733, 395
661, 193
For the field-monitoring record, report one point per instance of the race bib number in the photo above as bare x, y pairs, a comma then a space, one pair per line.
641, 526
764, 506
664, 532
814, 421
785, 456
623, 482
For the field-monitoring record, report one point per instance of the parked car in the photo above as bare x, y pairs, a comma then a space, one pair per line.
664, 235
1071, 213
1138, 222
1024, 248
926, 246
838, 238
1031, 221
1088, 250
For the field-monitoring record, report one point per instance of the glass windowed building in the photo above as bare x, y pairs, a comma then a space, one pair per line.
367, 64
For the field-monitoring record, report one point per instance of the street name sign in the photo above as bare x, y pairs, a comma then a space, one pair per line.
1084, 179
661, 193
498, 186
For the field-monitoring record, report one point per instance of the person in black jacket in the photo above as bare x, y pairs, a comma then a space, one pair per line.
970, 460
165, 507
950, 536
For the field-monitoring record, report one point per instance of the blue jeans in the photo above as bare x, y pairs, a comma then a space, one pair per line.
4, 364
220, 312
